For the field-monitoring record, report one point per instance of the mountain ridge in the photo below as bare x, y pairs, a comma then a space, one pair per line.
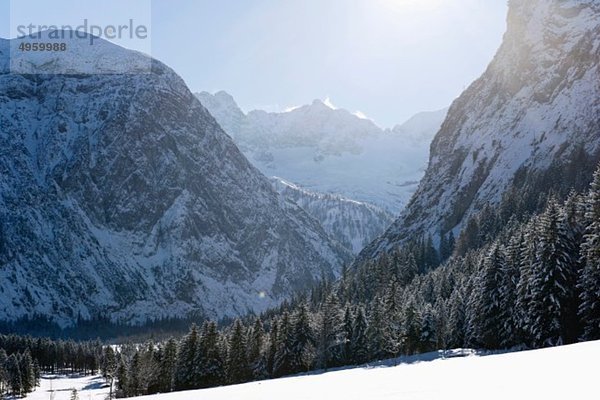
125, 188
331, 151
534, 107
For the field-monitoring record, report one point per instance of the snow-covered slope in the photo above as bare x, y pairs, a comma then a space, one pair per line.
557, 373
537, 103
351, 223
330, 150
121, 195
60, 387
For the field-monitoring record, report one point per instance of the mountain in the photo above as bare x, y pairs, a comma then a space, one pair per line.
332, 151
528, 125
353, 224
120, 195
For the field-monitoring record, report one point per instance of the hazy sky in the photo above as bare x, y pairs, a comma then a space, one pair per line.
387, 58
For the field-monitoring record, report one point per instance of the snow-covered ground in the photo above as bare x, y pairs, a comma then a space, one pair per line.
568, 372
59, 387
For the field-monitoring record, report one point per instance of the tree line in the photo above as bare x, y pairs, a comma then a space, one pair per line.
529, 284
23, 359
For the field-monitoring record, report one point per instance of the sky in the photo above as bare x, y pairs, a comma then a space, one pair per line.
388, 59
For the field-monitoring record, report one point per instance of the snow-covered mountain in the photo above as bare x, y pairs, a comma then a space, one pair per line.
351, 223
537, 105
121, 195
332, 151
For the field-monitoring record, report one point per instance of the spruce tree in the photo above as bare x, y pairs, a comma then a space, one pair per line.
238, 370
508, 292
122, 378
273, 345
487, 324
186, 356
256, 355
391, 318
27, 372
283, 361
589, 281
167, 366
330, 337
303, 341
457, 317
410, 335
376, 332
359, 344
212, 371
347, 330
3, 371
553, 280
428, 331
14, 375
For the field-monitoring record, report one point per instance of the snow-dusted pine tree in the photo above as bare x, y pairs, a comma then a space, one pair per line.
553, 279
589, 282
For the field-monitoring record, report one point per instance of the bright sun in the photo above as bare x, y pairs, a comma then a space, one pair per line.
404, 5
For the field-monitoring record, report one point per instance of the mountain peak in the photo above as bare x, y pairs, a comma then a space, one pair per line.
323, 104
147, 206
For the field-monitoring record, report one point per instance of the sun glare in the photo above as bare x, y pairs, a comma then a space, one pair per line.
409, 5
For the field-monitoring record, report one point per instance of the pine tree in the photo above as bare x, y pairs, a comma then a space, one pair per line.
553, 280
573, 216
376, 331
122, 378
487, 295
133, 376
410, 327
3, 371
359, 344
347, 330
391, 318
238, 370
508, 292
211, 370
428, 331
589, 281
108, 367
167, 366
148, 369
256, 355
27, 372
273, 344
14, 375
457, 317
522, 314
186, 354
330, 342
303, 341
408, 268
283, 361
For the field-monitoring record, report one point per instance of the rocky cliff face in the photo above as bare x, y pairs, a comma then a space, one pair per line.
537, 105
353, 224
121, 195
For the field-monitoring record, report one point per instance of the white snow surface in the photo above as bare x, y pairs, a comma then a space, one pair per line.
92, 387
567, 372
